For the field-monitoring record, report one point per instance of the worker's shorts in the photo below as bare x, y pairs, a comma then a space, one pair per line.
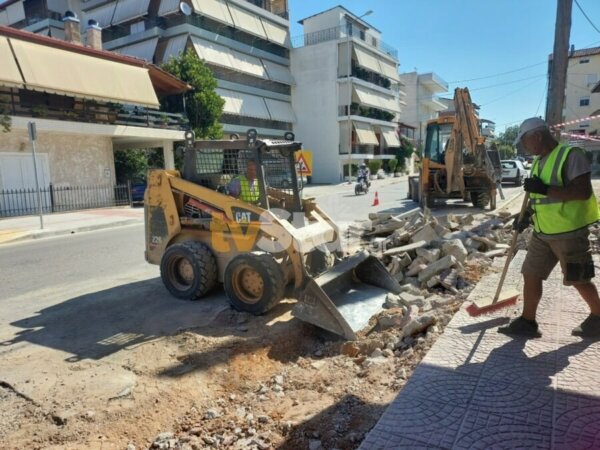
574, 255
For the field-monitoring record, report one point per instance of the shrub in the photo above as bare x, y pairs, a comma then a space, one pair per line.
392, 163
374, 166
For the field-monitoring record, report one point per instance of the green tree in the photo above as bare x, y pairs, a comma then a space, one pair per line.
506, 151
133, 164
405, 151
508, 136
203, 106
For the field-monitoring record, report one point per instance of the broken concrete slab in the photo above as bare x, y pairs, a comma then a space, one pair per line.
430, 255
426, 233
436, 267
405, 248
495, 253
456, 248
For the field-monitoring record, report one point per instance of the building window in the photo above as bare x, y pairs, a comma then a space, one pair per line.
584, 101
584, 61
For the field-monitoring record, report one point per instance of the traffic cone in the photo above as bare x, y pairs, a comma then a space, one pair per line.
376, 200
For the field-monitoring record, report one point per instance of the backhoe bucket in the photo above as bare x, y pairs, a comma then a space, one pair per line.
343, 299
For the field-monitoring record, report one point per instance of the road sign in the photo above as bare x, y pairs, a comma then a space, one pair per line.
304, 162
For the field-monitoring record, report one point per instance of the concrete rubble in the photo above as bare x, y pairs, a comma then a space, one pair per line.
436, 260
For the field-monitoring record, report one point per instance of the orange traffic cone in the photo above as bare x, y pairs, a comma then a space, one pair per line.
376, 200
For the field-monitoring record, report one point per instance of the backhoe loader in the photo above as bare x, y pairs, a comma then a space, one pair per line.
456, 161
228, 218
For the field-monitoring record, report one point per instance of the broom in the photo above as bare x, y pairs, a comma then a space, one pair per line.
488, 304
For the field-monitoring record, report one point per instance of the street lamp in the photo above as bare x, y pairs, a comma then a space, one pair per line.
349, 81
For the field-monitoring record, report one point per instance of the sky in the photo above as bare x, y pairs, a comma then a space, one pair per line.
473, 43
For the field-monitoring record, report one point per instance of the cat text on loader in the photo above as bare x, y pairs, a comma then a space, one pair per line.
456, 163
235, 215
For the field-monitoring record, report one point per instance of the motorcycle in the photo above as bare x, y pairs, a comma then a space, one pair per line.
362, 186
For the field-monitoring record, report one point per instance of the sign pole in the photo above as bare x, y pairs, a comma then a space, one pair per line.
33, 136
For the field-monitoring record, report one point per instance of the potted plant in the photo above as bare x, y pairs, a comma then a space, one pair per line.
392, 163
374, 166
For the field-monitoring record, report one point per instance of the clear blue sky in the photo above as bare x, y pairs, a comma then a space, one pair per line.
467, 39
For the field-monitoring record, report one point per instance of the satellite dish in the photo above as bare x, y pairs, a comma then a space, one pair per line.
185, 9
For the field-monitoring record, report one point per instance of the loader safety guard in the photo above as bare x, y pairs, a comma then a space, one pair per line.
344, 298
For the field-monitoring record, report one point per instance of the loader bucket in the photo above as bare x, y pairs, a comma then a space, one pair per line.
343, 299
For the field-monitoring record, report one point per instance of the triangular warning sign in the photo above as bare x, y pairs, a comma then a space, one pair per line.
302, 166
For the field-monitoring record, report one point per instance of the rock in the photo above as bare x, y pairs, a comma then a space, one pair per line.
472, 243
433, 282
408, 299
211, 414
240, 412
439, 302
260, 444
263, 419
455, 247
436, 267
209, 440
495, 253
415, 269
350, 348
130, 447
449, 280
489, 244
429, 255
277, 388
388, 353
404, 260
402, 374
393, 320
377, 353
392, 301
278, 379
405, 248
314, 444
418, 325
425, 234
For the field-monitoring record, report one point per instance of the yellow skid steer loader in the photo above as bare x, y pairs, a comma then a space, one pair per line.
235, 215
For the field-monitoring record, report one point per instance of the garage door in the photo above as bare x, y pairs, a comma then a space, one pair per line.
17, 184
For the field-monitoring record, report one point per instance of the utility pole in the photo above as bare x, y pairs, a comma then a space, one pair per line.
557, 66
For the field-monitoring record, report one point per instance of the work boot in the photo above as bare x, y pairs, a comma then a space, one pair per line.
590, 327
521, 327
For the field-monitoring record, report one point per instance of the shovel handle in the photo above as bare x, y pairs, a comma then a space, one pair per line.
511, 249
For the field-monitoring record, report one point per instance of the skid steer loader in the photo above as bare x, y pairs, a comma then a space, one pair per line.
229, 218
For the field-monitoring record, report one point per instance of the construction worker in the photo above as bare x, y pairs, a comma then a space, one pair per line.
562, 205
246, 187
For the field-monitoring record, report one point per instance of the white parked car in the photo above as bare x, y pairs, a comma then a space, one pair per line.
513, 171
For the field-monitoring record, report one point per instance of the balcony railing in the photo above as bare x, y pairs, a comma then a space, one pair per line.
365, 111
342, 32
95, 112
371, 77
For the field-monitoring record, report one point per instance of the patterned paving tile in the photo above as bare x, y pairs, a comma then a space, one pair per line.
440, 385
539, 371
529, 404
576, 422
579, 381
432, 423
484, 431
375, 441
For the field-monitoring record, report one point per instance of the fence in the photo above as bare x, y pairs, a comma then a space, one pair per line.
23, 202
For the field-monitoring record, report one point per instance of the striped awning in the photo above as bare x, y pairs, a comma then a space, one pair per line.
9, 71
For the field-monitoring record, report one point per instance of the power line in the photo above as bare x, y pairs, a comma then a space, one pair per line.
497, 74
544, 92
508, 82
510, 93
586, 16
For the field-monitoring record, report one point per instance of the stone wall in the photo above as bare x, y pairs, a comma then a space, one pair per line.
74, 160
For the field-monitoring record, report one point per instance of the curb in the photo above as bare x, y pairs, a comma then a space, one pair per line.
40, 234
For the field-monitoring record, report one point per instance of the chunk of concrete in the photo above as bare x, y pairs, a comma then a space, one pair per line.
426, 233
405, 248
429, 255
436, 267
456, 248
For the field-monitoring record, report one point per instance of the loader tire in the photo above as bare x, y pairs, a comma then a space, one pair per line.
254, 282
188, 270
480, 199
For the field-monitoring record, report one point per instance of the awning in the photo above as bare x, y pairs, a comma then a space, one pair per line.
43, 69
217, 9
390, 137
389, 70
374, 99
247, 21
168, 7
213, 53
103, 15
220, 55
3, 18
366, 59
175, 47
15, 13
280, 111
9, 72
278, 72
276, 33
130, 9
144, 50
365, 134
241, 104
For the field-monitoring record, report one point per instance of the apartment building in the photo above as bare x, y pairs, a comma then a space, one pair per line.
347, 94
583, 75
422, 100
246, 43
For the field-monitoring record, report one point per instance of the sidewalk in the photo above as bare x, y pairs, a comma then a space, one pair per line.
478, 389
28, 227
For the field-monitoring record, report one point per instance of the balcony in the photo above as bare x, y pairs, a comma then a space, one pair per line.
365, 111
58, 107
433, 82
371, 77
432, 102
344, 32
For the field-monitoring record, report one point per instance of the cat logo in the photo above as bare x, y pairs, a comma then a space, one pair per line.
243, 216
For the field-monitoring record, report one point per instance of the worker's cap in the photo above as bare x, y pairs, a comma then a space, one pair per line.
531, 124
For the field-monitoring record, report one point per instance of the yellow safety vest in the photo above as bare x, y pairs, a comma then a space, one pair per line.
250, 194
554, 216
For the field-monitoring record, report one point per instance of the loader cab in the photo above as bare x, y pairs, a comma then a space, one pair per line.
438, 135
267, 165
